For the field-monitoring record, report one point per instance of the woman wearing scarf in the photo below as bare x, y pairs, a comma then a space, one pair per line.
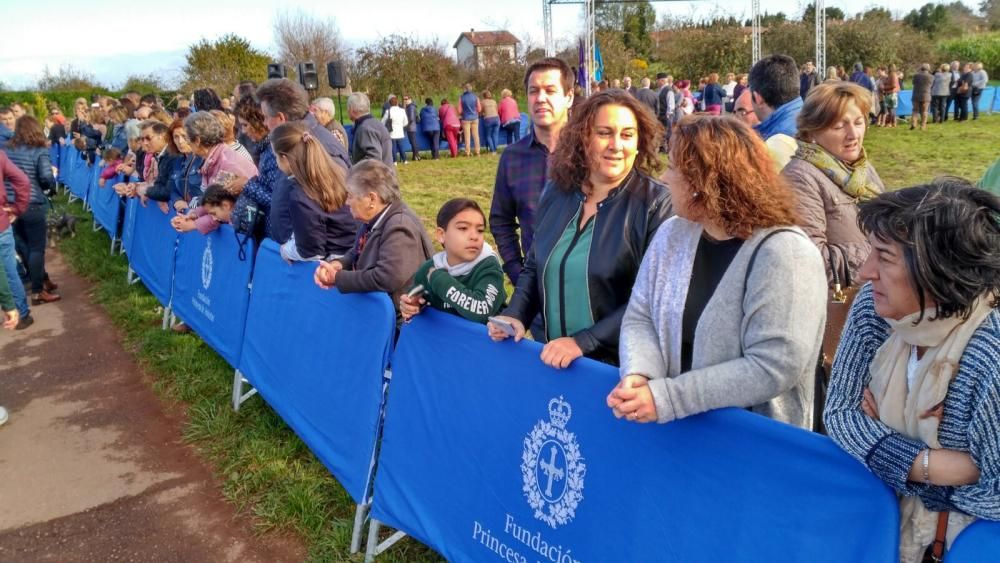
916, 384
830, 174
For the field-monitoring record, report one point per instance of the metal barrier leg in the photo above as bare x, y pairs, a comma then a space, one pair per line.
95, 226
114, 241
374, 547
166, 318
373, 529
238, 395
359, 522
131, 277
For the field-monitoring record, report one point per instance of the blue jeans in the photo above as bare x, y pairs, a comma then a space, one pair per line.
513, 129
10, 269
397, 145
492, 126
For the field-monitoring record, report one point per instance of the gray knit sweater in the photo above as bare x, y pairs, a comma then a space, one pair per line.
754, 347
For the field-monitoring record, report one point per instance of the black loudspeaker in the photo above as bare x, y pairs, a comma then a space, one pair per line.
276, 70
337, 74
308, 77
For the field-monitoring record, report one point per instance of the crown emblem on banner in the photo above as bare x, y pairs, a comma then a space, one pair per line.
552, 467
559, 412
207, 264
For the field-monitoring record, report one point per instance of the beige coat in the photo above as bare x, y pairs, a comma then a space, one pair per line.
830, 218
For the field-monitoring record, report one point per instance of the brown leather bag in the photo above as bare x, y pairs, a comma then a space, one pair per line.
837, 308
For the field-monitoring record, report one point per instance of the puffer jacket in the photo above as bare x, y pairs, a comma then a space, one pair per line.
624, 227
37, 166
830, 218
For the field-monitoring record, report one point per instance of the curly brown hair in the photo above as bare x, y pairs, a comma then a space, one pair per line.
732, 178
248, 109
570, 163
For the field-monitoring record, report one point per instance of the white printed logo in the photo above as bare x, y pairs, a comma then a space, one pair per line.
553, 468
206, 264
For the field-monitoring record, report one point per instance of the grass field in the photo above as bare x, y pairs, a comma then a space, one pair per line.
266, 470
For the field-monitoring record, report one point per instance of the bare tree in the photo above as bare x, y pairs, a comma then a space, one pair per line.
303, 37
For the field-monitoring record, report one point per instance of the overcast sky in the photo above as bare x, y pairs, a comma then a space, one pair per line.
112, 40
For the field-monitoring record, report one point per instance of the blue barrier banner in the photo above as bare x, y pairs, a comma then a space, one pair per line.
54, 154
212, 288
105, 203
488, 455
80, 180
151, 254
318, 358
987, 101
64, 163
128, 225
979, 543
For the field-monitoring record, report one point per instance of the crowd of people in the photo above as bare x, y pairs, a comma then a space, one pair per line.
714, 281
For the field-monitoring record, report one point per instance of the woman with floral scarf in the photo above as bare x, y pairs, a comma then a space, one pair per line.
831, 174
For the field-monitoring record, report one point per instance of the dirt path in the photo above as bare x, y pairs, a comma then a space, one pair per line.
92, 467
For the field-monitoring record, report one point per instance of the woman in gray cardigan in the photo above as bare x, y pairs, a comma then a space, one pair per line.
729, 304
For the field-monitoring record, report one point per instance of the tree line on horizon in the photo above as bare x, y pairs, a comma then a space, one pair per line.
632, 39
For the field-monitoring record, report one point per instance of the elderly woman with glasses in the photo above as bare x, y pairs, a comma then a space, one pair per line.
391, 244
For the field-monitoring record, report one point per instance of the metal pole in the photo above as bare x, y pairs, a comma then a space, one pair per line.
755, 32
589, 44
820, 38
550, 48
340, 108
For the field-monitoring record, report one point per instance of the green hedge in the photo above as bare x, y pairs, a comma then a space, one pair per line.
983, 47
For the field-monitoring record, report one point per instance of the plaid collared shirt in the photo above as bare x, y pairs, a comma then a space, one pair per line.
521, 175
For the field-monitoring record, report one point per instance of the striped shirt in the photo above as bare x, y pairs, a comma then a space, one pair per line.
971, 421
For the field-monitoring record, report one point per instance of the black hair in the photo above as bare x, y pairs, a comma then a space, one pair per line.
246, 88
215, 194
453, 207
429, 101
6, 109
776, 79
949, 231
205, 99
149, 99
566, 76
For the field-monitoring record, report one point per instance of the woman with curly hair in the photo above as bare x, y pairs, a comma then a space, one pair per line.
597, 215
729, 305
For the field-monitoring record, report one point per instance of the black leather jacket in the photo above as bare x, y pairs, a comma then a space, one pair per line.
624, 226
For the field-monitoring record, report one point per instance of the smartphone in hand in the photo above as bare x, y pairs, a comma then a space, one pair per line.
503, 325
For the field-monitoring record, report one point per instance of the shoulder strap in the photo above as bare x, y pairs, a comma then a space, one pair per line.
753, 257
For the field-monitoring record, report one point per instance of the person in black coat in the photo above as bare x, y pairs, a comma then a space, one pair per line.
597, 215
321, 226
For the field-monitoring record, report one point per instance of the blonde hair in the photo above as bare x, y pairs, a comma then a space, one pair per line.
505, 92
228, 122
827, 103
322, 180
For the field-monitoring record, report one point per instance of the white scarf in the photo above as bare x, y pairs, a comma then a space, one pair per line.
462, 268
901, 405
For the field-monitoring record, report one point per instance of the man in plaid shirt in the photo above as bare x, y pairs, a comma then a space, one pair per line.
521, 173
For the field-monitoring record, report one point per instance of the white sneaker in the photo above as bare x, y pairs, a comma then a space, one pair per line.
3, 416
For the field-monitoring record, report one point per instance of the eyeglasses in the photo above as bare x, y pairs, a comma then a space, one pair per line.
146, 138
741, 112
